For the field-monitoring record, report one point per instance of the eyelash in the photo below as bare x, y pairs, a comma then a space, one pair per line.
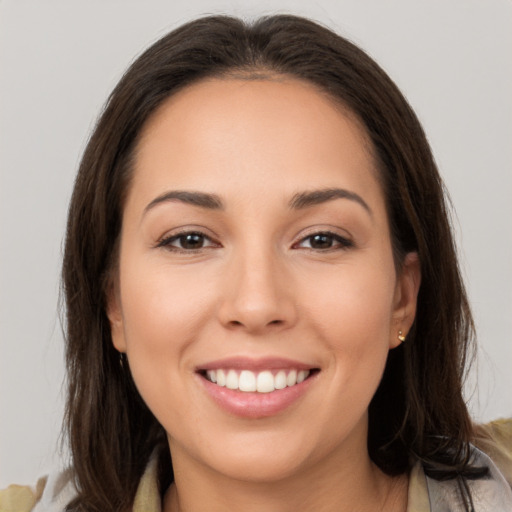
167, 242
342, 242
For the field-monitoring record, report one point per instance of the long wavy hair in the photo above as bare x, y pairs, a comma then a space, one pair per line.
418, 411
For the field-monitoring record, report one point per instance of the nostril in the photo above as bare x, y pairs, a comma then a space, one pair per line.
238, 323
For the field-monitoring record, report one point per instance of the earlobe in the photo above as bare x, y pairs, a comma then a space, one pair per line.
115, 318
406, 296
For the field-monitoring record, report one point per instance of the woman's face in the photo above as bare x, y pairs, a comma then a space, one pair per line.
255, 252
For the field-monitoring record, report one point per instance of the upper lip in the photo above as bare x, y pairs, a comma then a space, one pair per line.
255, 364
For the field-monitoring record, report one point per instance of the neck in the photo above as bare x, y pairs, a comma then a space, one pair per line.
352, 483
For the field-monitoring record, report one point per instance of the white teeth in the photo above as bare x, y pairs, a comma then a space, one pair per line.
291, 380
301, 376
247, 381
232, 380
262, 382
265, 382
221, 378
280, 380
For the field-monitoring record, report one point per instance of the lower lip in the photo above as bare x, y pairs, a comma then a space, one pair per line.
256, 405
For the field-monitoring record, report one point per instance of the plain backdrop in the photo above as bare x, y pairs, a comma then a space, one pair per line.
60, 59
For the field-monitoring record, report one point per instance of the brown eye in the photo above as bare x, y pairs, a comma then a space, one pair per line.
321, 241
325, 241
189, 241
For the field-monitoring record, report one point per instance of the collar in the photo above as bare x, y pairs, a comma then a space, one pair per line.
425, 494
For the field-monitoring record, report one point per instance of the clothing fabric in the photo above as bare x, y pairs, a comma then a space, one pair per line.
492, 448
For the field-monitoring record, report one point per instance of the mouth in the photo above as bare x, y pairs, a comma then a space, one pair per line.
254, 388
262, 381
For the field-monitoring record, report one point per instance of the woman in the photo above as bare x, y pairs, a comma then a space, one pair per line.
261, 284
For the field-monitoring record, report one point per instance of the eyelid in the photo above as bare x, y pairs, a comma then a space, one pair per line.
166, 240
344, 242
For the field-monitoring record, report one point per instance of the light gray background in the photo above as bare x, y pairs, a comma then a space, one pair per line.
60, 59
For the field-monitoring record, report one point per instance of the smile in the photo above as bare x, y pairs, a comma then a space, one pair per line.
248, 381
255, 388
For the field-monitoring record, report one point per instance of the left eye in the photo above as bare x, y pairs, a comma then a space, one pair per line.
324, 241
187, 241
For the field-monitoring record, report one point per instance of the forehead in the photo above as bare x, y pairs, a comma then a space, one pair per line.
238, 102
224, 135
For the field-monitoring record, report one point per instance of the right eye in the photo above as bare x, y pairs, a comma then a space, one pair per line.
187, 241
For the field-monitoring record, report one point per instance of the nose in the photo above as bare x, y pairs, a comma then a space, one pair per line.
257, 295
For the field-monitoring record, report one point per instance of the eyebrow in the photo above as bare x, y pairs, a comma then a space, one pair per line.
299, 201
307, 199
201, 199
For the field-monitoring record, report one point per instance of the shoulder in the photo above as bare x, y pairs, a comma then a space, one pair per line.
491, 448
55, 492
50, 494
495, 440
21, 498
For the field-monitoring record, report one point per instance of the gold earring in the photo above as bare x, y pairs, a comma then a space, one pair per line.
401, 337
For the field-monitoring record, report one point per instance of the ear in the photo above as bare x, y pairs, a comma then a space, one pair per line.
115, 317
405, 299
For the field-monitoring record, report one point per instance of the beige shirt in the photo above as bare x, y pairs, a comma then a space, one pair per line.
494, 494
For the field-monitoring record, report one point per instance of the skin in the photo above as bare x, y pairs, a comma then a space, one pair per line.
260, 287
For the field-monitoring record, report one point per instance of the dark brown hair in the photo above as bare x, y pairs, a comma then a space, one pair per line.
418, 410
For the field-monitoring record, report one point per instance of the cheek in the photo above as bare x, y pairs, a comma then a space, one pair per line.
351, 315
161, 306
162, 314
163, 311
352, 304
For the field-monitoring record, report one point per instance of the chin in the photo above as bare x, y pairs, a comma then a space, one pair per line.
263, 456
260, 467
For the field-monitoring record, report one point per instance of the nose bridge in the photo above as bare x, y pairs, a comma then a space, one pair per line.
257, 294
